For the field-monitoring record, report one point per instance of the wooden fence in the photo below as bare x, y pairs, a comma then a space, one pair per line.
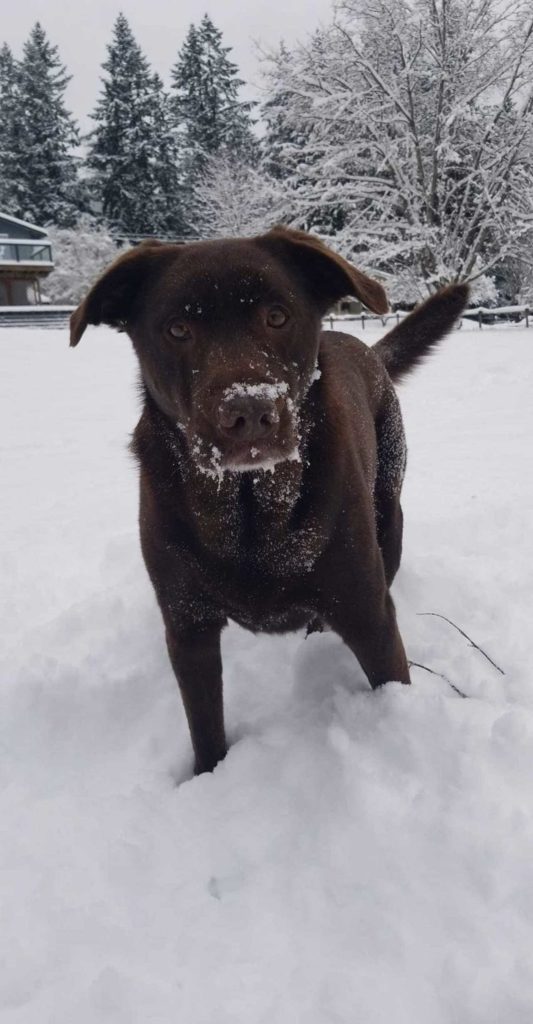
483, 316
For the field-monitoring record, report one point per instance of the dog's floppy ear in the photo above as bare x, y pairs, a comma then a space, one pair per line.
329, 275
111, 298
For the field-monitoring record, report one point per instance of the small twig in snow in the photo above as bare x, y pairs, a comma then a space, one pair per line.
437, 615
416, 664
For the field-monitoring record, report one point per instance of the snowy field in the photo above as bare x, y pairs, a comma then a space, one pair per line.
359, 858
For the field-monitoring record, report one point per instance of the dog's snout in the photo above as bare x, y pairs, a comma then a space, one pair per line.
247, 418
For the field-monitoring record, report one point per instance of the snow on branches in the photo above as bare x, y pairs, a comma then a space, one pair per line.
233, 198
80, 255
417, 116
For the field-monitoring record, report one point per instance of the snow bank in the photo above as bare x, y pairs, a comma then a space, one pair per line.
358, 857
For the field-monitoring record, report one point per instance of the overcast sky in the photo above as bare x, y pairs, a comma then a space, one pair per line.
81, 31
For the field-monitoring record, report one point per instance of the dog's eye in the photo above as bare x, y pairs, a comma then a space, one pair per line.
277, 317
178, 330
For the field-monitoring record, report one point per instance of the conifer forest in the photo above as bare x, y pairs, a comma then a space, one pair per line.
401, 131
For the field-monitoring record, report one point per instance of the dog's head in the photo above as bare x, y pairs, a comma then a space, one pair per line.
227, 335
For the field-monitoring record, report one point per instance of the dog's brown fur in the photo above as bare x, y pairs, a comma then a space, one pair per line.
315, 537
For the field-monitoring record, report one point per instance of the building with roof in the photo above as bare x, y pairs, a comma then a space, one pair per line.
25, 260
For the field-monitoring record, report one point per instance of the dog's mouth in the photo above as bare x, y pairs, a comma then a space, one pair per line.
259, 455
213, 461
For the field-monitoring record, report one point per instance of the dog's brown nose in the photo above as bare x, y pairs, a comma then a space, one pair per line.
247, 418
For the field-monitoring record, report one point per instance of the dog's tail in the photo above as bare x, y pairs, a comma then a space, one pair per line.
406, 345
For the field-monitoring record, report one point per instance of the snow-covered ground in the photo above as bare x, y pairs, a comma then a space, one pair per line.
359, 858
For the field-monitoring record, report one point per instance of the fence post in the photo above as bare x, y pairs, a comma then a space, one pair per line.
363, 321
331, 323
527, 316
397, 318
480, 320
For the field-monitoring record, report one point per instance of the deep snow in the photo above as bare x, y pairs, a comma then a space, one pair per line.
359, 858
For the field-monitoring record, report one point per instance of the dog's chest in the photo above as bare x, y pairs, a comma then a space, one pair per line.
253, 524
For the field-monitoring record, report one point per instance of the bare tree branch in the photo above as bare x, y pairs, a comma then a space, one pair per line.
472, 643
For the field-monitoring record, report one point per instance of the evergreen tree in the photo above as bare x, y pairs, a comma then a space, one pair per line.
9, 132
133, 153
42, 135
209, 115
167, 198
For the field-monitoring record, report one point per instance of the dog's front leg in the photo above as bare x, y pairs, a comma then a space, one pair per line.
197, 663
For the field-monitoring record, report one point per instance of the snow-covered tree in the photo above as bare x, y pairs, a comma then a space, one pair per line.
40, 136
235, 198
418, 121
9, 132
283, 142
292, 150
514, 276
80, 255
208, 113
133, 156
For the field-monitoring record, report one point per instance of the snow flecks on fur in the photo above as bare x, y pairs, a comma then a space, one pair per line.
210, 467
392, 448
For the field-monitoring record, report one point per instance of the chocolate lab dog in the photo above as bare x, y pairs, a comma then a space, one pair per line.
271, 454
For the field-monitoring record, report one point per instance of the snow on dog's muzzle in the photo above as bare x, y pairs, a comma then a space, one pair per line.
255, 425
